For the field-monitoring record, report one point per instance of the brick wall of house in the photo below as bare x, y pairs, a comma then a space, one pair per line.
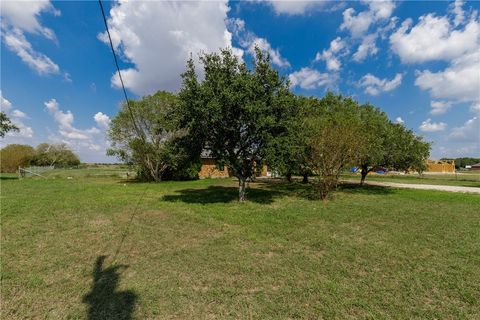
210, 170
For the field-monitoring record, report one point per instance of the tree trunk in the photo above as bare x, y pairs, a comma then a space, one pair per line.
305, 178
364, 175
289, 177
241, 188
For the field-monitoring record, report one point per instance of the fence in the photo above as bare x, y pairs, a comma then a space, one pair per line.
36, 171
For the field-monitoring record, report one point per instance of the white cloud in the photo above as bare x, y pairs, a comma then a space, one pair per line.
18, 114
24, 15
440, 107
456, 9
429, 126
89, 143
434, 38
158, 37
475, 107
294, 7
15, 40
367, 48
65, 123
4, 103
460, 81
359, 24
374, 86
330, 56
399, 120
248, 40
19, 17
102, 120
469, 132
16, 117
307, 78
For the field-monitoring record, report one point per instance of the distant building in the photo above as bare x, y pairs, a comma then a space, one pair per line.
441, 166
209, 168
475, 166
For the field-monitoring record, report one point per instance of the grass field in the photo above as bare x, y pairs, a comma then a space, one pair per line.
464, 179
98, 247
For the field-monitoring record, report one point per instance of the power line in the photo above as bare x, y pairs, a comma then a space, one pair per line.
119, 73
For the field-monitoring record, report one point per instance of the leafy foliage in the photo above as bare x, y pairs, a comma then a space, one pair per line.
147, 137
58, 155
6, 125
387, 144
14, 156
235, 112
333, 126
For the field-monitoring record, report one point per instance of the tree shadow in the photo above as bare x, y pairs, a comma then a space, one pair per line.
105, 302
220, 194
8, 177
356, 188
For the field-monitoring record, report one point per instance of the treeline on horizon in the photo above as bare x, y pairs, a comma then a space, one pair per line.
14, 156
460, 163
246, 117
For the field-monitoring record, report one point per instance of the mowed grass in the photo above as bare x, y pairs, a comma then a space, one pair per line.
463, 179
98, 247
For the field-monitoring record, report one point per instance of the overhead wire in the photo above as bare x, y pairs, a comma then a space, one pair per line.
127, 101
140, 133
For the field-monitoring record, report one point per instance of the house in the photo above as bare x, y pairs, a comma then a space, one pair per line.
209, 168
475, 166
441, 166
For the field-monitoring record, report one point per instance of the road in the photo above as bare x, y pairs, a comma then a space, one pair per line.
423, 186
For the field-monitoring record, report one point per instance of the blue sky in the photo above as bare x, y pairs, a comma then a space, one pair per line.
418, 61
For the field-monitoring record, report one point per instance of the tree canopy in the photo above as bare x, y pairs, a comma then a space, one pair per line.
147, 137
236, 112
14, 156
58, 155
6, 125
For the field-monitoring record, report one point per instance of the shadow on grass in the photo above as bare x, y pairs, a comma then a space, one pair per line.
265, 191
219, 194
8, 178
356, 188
104, 301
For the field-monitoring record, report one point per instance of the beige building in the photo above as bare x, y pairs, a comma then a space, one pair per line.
441, 166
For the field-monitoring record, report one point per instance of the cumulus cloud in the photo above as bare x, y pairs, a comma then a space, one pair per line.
429, 126
158, 37
460, 81
456, 9
399, 120
469, 132
294, 7
90, 144
359, 24
18, 18
307, 78
439, 107
435, 38
102, 120
368, 47
248, 40
15, 40
24, 15
331, 55
17, 117
374, 86
364, 29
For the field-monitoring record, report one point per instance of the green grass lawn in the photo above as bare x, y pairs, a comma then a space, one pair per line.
470, 179
96, 247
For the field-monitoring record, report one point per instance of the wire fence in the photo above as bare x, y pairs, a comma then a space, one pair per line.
34, 171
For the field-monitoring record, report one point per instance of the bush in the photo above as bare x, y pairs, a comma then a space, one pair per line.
14, 156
